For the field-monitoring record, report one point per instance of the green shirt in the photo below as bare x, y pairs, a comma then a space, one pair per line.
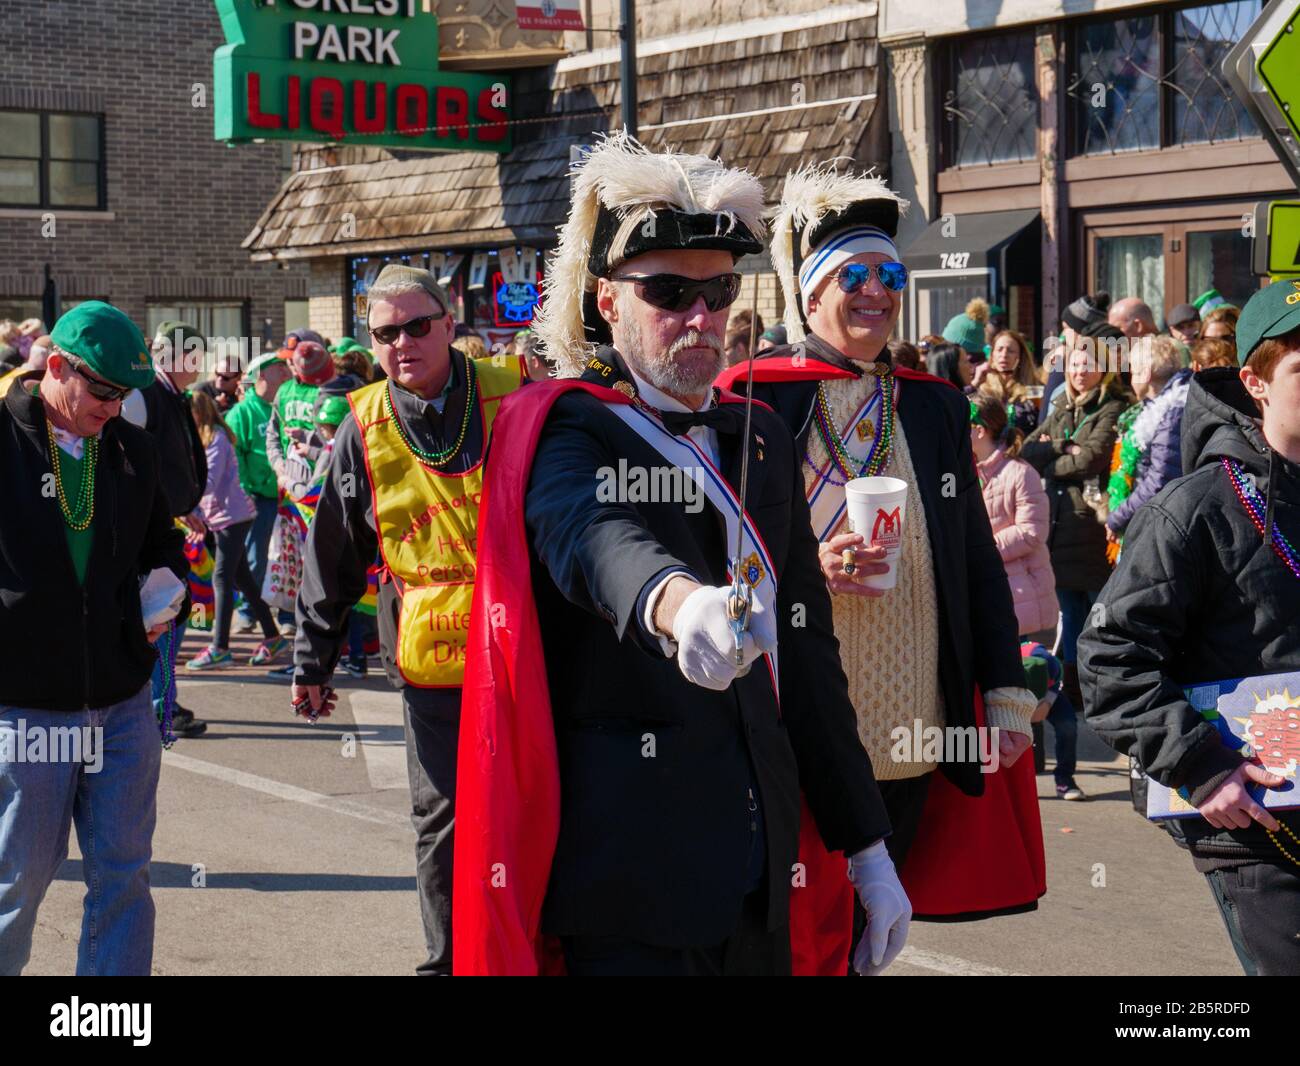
79, 544
247, 421
294, 403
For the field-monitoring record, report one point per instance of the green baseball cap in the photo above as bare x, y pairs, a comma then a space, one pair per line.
332, 410
256, 367
1272, 311
108, 342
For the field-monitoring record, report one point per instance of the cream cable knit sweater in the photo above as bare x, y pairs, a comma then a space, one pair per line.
889, 645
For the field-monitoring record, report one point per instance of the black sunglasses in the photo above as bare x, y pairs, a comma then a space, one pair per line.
416, 327
671, 292
97, 387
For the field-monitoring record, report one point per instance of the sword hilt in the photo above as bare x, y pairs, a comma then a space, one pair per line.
740, 605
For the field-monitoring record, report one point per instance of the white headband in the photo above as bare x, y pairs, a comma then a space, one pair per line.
843, 246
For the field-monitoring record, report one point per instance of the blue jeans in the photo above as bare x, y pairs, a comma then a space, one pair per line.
114, 808
1065, 724
259, 543
1075, 606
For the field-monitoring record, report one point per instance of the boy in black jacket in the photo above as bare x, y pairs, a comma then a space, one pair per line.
1208, 589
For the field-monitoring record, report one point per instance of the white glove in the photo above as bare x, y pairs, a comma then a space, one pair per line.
889, 914
706, 649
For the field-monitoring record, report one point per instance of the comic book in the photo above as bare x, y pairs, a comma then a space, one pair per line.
1256, 716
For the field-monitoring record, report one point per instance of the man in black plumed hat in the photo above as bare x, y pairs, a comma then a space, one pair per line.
674, 796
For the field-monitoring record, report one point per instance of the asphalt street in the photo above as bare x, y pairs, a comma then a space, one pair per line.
286, 848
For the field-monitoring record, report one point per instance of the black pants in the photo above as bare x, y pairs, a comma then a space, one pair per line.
230, 571
432, 718
1260, 905
904, 802
751, 951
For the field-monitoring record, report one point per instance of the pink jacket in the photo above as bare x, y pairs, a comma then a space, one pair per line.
1018, 510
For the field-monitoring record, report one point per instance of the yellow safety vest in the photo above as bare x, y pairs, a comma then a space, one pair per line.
7, 380
428, 530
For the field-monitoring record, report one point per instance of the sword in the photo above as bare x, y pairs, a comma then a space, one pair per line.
740, 602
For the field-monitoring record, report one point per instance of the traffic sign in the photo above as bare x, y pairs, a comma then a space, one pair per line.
1275, 239
1263, 69
1284, 237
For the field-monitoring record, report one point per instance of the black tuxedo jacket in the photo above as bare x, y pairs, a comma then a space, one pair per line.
655, 772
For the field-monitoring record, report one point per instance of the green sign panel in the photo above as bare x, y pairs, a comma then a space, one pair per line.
1279, 71
1284, 237
349, 72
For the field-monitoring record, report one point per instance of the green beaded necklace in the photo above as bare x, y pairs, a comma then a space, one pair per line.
443, 457
81, 513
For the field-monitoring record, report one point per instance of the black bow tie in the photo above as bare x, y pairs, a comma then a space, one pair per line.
723, 417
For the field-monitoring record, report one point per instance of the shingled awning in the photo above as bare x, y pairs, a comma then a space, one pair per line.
766, 95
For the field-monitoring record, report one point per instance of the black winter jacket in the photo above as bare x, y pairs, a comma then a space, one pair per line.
182, 460
1198, 596
1077, 538
65, 647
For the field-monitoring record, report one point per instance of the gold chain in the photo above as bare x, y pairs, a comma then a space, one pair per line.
1287, 830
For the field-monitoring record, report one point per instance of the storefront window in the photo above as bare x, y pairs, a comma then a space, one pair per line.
1117, 86
1132, 266
1205, 108
1155, 80
496, 308
991, 107
1220, 259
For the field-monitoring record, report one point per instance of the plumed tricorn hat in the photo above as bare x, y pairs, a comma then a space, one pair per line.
818, 202
627, 201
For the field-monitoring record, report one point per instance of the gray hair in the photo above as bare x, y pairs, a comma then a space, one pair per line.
1164, 355
398, 279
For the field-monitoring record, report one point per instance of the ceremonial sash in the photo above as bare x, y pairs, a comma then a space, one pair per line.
683, 453
826, 498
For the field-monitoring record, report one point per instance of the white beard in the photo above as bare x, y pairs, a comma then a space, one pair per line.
666, 373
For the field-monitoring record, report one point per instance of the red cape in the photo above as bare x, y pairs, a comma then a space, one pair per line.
972, 856
508, 781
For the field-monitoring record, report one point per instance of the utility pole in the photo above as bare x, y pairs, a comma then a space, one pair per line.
627, 36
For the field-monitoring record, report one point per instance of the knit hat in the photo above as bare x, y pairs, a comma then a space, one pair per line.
967, 328
311, 363
108, 342
628, 201
1087, 311
821, 207
292, 339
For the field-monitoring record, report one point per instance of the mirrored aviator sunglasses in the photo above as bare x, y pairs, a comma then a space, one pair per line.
416, 327
671, 292
855, 276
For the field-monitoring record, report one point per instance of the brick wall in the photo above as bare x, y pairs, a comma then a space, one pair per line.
178, 202
328, 315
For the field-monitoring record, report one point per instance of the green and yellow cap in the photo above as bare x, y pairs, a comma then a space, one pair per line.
1272, 311
108, 342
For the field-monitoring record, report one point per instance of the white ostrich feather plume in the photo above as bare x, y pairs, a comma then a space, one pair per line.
809, 193
621, 174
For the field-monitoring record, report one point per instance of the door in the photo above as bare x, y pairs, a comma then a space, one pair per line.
1171, 261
